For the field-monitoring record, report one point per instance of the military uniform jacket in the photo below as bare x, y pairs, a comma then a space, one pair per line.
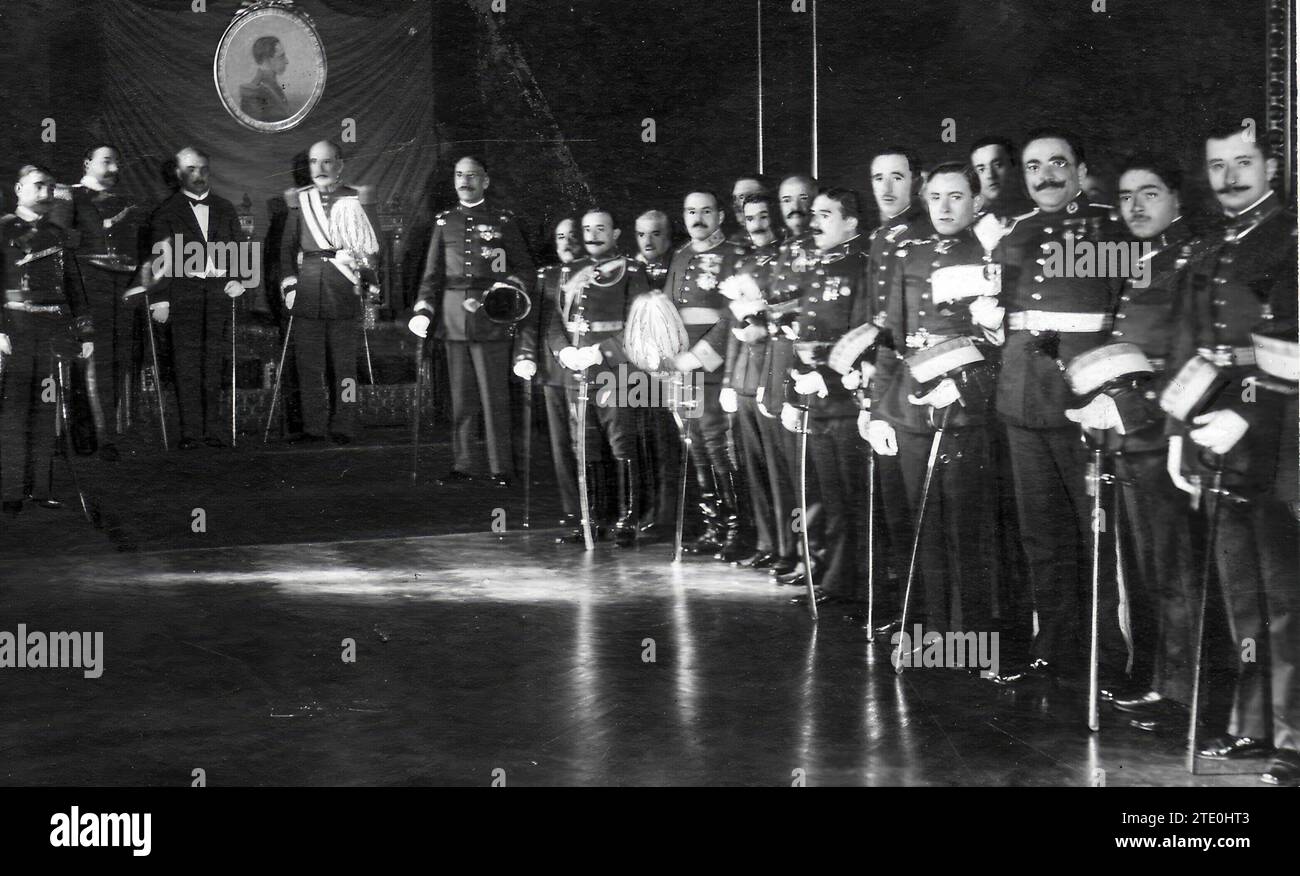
174, 217
656, 269
38, 267
533, 336
472, 248
1237, 281
795, 258
745, 361
83, 211
596, 313
1032, 391
323, 292
915, 322
692, 284
827, 296
885, 246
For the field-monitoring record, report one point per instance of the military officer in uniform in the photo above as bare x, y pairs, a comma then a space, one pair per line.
746, 352
695, 273
740, 190
329, 262
941, 315
1243, 283
588, 335
44, 323
827, 296
1154, 529
105, 225
194, 301
661, 448
895, 181
994, 161
534, 356
1051, 317
474, 245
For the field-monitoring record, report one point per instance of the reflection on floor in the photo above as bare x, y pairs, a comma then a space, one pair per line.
478, 652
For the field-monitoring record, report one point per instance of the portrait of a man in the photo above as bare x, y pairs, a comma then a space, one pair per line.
270, 68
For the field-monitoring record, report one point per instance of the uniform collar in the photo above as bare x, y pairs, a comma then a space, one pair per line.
1247, 219
93, 184
843, 247
477, 203
31, 217
711, 242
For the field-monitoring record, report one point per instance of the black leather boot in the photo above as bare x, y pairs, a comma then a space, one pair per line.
594, 496
731, 549
625, 528
710, 540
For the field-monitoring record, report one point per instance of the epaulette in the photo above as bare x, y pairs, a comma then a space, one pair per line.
441, 218
291, 195
541, 272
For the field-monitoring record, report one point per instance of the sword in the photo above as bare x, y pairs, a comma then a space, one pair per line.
370, 368
684, 430
1094, 488
1212, 500
234, 430
803, 514
157, 374
68, 450
279, 373
916, 536
580, 419
528, 450
871, 543
415, 420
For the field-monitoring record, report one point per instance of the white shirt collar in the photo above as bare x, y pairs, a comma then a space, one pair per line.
1242, 212
93, 184
28, 214
191, 195
475, 204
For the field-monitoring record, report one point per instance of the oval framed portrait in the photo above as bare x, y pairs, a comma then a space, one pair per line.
270, 66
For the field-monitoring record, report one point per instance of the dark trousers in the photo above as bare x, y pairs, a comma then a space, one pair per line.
893, 534
610, 431
28, 403
325, 351
777, 451
839, 455
662, 450
557, 424
200, 323
478, 376
770, 519
110, 369
1161, 573
1257, 564
709, 432
956, 536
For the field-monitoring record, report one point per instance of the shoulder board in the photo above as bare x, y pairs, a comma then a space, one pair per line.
366, 194
291, 195
541, 272
1032, 212
1103, 206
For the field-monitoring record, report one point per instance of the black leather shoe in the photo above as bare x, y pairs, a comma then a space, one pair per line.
822, 598
498, 480
187, 444
795, 578
12, 509
340, 439
1284, 771
214, 441
51, 504
783, 566
1139, 703
757, 560
108, 453
888, 629
1036, 671
454, 477
1229, 747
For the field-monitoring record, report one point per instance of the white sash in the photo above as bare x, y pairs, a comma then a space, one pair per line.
313, 213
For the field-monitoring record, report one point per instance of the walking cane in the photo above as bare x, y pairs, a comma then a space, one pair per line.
415, 420
234, 431
279, 374
157, 374
528, 451
1094, 482
684, 431
1212, 498
803, 514
871, 543
917, 526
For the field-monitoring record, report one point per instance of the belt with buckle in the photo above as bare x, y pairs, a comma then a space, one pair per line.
1053, 321
28, 307
609, 325
320, 253
922, 339
1225, 356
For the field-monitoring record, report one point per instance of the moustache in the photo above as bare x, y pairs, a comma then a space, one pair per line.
795, 212
699, 225
1227, 190
1049, 184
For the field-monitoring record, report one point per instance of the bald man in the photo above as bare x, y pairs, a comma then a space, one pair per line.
194, 301
328, 260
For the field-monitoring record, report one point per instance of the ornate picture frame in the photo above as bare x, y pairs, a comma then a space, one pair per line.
270, 66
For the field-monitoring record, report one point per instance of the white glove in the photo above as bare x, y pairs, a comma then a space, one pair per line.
687, 361
569, 358
810, 382
791, 331
852, 380
1174, 466
1220, 430
234, 289
525, 369
864, 425
882, 438
289, 289
989, 231
748, 334
1100, 413
6, 348
591, 356
160, 310
986, 313
419, 325
345, 257
940, 397
727, 398
743, 308
87, 349
289, 298
790, 417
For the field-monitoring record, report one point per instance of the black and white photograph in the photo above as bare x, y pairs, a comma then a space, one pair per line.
423, 394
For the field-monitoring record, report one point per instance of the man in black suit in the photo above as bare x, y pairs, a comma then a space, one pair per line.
192, 290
